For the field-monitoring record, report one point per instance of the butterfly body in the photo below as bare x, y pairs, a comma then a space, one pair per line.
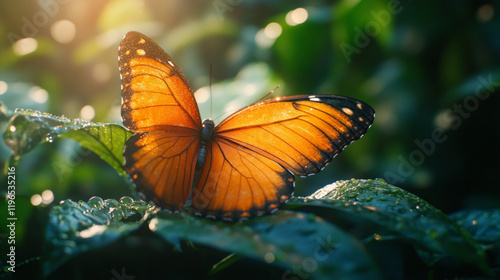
246, 163
206, 135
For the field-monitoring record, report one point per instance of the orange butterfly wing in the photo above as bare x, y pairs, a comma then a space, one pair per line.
237, 182
250, 162
158, 103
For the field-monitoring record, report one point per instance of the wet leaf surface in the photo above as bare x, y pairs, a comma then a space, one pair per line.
77, 227
430, 231
483, 225
302, 245
27, 129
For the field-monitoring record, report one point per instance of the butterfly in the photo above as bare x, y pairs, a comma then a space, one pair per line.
246, 164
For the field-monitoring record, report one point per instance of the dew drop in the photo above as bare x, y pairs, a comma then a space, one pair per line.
126, 200
116, 214
111, 203
96, 202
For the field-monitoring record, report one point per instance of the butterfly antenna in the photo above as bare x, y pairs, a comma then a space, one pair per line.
268, 94
211, 98
261, 99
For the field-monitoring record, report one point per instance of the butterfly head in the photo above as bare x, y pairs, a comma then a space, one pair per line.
207, 131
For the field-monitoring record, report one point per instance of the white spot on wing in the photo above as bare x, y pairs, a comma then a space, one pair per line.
347, 111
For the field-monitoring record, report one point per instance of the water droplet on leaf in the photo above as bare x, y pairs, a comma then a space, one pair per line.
96, 202
126, 200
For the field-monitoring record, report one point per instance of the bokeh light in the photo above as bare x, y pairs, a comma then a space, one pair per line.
25, 46
47, 196
266, 36
63, 31
36, 200
87, 113
273, 30
202, 95
3, 87
296, 16
485, 13
39, 95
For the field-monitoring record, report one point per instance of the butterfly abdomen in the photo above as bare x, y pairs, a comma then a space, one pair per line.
206, 135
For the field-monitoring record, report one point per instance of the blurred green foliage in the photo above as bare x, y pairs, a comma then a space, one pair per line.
430, 69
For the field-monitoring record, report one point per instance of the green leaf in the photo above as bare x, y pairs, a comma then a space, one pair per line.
405, 214
304, 245
483, 225
27, 129
226, 262
107, 141
77, 227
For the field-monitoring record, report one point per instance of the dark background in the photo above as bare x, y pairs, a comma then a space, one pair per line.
430, 70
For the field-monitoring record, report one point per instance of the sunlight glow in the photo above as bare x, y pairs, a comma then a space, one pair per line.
250, 89
266, 36
25, 46
273, 30
87, 112
296, 16
63, 31
202, 95
47, 196
3, 87
36, 199
38, 94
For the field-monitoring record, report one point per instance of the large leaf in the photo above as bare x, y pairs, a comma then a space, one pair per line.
28, 128
77, 227
483, 225
302, 245
306, 246
107, 141
405, 214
